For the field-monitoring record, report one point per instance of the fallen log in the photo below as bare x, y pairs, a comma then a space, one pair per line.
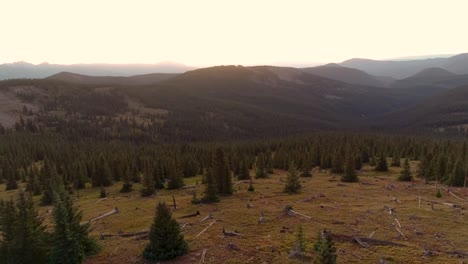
100, 200
132, 234
206, 228
202, 259
459, 198
360, 242
297, 213
369, 241
116, 210
262, 218
197, 213
209, 216
308, 199
189, 187
458, 253
230, 233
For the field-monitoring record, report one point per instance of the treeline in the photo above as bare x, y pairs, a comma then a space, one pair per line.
42, 160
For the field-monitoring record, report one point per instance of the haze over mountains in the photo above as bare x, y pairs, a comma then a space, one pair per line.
22, 69
236, 102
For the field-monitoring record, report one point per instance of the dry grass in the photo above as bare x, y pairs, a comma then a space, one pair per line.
349, 209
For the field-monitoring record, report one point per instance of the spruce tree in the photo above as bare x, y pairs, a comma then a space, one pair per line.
337, 163
457, 177
325, 249
176, 180
349, 172
70, 241
292, 182
395, 160
166, 240
102, 193
221, 173
126, 185
307, 171
381, 164
210, 195
29, 241
148, 186
243, 171
9, 175
405, 174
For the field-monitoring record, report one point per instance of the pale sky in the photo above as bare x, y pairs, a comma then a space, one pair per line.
203, 33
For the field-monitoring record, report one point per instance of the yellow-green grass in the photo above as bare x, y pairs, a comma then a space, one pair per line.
345, 208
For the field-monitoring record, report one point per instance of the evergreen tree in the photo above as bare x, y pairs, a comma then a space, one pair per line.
221, 173
395, 160
176, 180
102, 193
127, 185
29, 241
243, 171
457, 177
307, 171
381, 163
148, 186
9, 175
103, 176
337, 163
301, 244
166, 240
349, 173
405, 174
325, 249
210, 195
292, 182
70, 240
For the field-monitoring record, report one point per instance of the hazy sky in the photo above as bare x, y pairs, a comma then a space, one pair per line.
201, 33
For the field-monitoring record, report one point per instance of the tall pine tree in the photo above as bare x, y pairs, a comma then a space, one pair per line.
166, 240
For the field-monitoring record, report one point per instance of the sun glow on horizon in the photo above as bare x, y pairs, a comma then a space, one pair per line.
204, 33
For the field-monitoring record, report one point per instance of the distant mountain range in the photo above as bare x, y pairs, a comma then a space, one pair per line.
19, 70
233, 102
457, 64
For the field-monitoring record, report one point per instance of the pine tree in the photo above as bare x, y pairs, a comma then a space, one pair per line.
102, 193
127, 185
9, 175
381, 163
103, 175
243, 172
251, 188
292, 182
395, 160
221, 173
337, 163
166, 240
307, 171
176, 180
301, 244
70, 241
29, 241
148, 186
210, 195
325, 249
405, 174
457, 177
349, 172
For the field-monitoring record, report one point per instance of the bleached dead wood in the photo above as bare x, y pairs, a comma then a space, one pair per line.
100, 200
459, 198
206, 228
372, 234
308, 199
116, 210
297, 213
369, 241
132, 234
359, 241
189, 187
230, 233
209, 216
401, 233
262, 218
202, 259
